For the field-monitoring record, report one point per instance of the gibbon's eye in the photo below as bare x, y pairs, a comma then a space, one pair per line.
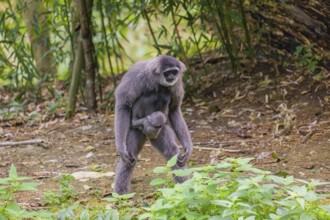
170, 73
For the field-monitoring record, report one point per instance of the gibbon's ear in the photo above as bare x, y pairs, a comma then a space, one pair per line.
183, 67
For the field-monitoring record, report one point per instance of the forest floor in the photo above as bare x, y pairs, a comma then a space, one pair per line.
281, 120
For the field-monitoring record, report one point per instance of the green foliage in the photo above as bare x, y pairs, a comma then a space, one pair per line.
17, 66
235, 189
167, 170
79, 211
11, 111
9, 187
66, 195
304, 59
182, 28
232, 189
64, 204
123, 204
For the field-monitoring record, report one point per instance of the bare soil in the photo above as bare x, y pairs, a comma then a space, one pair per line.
234, 118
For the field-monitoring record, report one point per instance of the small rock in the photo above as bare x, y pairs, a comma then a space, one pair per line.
85, 175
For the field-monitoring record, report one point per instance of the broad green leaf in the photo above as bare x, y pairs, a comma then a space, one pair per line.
224, 165
306, 216
115, 195
145, 216
277, 179
4, 181
160, 170
110, 199
14, 207
273, 216
223, 203
84, 215
157, 205
228, 212
180, 172
28, 186
21, 178
301, 202
172, 161
45, 215
311, 196
157, 182
167, 191
127, 196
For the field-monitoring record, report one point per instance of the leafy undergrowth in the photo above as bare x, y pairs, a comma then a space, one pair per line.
232, 189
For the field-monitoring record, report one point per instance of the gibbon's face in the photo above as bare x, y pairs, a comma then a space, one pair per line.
169, 77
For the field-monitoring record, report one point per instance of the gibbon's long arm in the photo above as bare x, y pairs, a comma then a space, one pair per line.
125, 98
122, 124
180, 128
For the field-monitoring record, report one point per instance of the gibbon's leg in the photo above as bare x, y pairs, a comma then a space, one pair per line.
166, 144
135, 141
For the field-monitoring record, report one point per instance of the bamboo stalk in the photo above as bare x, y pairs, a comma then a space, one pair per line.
226, 35
231, 35
246, 30
176, 29
77, 68
114, 83
192, 30
145, 14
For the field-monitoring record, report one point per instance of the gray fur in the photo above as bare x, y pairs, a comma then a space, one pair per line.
150, 125
144, 91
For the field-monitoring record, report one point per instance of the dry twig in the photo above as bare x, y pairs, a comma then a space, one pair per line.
38, 142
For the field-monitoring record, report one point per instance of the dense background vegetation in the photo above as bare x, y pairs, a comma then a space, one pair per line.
47, 43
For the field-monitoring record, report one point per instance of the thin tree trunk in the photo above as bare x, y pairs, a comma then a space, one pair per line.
74, 86
36, 23
90, 66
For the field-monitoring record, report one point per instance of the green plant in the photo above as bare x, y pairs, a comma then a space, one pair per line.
234, 189
86, 212
9, 187
66, 195
304, 59
168, 181
64, 204
124, 204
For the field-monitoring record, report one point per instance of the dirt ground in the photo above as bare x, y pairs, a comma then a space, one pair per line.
237, 118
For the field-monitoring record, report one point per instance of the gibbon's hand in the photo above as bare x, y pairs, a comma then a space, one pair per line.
129, 160
182, 159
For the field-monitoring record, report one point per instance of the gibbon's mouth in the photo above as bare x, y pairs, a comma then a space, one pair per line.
170, 80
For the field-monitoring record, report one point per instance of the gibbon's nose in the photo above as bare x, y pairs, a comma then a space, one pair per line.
170, 78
